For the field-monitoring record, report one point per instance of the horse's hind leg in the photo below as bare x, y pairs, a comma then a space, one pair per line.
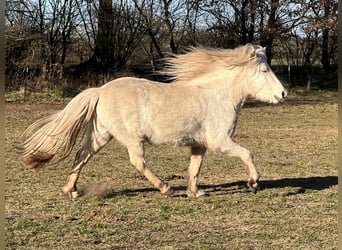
94, 143
197, 154
82, 157
136, 156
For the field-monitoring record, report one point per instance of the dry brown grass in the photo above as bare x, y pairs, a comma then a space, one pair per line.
295, 146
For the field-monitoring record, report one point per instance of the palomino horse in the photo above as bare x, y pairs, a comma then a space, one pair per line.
198, 109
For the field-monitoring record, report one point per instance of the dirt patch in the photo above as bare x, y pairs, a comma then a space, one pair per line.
100, 189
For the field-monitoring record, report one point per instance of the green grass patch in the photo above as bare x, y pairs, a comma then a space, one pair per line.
295, 147
321, 93
50, 96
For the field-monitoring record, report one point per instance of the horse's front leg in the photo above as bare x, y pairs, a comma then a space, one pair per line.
234, 149
197, 154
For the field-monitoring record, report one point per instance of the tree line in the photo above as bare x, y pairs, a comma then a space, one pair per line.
49, 39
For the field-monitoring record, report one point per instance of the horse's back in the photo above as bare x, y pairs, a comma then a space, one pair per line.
139, 109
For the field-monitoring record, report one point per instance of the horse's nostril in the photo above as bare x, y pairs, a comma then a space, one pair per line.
283, 94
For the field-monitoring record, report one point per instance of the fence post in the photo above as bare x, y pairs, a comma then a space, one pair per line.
26, 83
289, 75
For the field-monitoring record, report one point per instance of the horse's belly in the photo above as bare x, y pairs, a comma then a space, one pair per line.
174, 133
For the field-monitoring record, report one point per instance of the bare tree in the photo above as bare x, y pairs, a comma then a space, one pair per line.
104, 39
164, 22
42, 34
192, 22
151, 25
325, 20
116, 34
47, 26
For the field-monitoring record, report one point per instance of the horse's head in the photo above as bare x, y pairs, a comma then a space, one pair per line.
263, 84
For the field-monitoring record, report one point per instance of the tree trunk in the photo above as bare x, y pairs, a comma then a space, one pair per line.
325, 50
243, 20
169, 25
251, 28
325, 39
104, 43
271, 31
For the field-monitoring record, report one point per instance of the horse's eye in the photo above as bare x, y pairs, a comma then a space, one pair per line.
263, 67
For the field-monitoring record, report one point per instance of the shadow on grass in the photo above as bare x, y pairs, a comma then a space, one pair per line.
303, 184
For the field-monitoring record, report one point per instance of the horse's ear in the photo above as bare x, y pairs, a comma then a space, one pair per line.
250, 50
260, 49
252, 53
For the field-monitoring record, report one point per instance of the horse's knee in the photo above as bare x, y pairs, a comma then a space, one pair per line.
244, 154
136, 157
138, 163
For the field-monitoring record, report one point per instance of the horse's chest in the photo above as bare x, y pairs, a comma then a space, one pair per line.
223, 123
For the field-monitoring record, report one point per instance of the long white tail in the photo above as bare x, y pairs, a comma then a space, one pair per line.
57, 133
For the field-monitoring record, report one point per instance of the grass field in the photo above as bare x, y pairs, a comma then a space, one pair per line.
295, 146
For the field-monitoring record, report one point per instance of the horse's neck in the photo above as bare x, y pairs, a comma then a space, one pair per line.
221, 100
226, 97
228, 87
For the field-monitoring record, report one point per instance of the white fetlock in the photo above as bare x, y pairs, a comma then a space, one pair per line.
70, 194
253, 186
196, 194
74, 194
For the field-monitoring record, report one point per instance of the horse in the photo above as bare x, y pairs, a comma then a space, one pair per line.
199, 109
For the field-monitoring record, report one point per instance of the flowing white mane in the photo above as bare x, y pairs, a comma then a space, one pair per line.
203, 61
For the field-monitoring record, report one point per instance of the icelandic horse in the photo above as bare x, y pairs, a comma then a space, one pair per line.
198, 109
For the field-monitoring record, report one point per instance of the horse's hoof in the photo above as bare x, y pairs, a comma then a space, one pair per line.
197, 194
253, 186
73, 195
167, 190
